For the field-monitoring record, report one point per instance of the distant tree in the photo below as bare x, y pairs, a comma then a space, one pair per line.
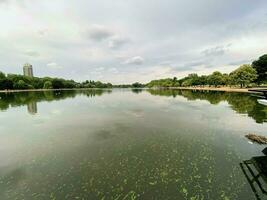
202, 80
137, 85
21, 85
2, 75
226, 79
187, 83
98, 84
57, 83
194, 79
48, 85
260, 66
109, 85
244, 75
6, 84
215, 79
23, 82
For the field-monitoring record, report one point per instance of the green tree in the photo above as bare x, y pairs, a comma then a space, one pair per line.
244, 75
57, 83
20, 85
137, 85
260, 66
187, 82
226, 79
2, 75
48, 85
6, 84
202, 80
215, 79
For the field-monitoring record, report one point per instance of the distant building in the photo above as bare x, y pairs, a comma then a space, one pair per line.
32, 107
27, 70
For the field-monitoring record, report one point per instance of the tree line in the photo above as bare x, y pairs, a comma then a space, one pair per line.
20, 82
254, 74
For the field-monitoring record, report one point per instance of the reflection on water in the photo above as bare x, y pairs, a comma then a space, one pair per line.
242, 103
137, 90
255, 171
128, 144
9, 100
32, 107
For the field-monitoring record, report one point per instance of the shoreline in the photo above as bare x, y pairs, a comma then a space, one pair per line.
44, 90
222, 89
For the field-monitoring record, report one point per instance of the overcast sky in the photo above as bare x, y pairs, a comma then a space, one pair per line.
123, 41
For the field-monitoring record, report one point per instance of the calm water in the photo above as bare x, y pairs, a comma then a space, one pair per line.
128, 144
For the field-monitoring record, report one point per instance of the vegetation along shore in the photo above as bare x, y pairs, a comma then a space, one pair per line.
245, 76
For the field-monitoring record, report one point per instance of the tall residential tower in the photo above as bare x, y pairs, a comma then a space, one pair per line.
27, 70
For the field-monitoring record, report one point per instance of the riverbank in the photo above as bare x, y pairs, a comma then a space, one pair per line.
44, 90
223, 89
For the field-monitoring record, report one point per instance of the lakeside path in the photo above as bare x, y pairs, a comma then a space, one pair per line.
223, 89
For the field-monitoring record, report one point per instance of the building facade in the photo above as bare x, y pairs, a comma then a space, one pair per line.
27, 70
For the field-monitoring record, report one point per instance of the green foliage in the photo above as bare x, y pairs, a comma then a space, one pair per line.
168, 82
48, 85
6, 84
57, 83
244, 75
260, 66
14, 81
216, 79
20, 85
2, 75
137, 85
93, 84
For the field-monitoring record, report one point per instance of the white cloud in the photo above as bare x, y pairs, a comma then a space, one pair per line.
80, 34
114, 70
137, 60
54, 65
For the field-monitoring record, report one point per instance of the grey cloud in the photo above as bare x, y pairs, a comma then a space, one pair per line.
240, 62
187, 35
216, 51
99, 33
31, 53
194, 63
118, 42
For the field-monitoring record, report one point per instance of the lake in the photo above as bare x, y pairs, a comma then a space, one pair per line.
128, 144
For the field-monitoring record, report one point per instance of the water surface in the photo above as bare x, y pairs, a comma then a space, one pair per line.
128, 144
